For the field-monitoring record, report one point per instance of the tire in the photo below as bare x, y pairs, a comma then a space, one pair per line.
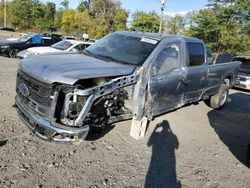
13, 53
219, 100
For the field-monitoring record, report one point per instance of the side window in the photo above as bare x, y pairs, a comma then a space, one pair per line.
168, 59
80, 47
47, 41
196, 54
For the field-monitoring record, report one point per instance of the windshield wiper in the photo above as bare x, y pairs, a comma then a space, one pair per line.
110, 58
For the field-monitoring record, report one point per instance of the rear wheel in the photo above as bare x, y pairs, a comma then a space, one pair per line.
219, 100
13, 53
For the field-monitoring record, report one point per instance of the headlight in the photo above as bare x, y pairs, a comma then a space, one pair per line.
6, 46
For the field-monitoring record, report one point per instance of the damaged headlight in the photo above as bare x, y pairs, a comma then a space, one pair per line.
71, 104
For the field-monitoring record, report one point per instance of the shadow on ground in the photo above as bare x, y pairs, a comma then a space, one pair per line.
162, 169
232, 124
97, 133
3, 142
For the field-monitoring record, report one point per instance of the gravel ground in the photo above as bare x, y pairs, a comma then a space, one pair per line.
191, 147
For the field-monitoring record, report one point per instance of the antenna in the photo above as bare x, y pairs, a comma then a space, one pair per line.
162, 12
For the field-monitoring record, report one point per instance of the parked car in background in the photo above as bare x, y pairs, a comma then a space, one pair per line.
69, 37
125, 75
10, 48
60, 47
7, 29
243, 78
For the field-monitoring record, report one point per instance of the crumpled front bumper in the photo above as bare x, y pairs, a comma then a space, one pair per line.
47, 130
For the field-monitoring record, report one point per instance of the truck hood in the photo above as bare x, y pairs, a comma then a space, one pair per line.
69, 68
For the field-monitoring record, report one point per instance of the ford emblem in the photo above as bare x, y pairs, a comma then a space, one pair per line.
24, 89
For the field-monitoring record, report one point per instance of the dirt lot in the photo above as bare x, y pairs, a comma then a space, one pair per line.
7, 34
191, 147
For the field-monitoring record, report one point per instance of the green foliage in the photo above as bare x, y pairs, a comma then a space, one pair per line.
145, 22
84, 5
21, 14
121, 20
224, 28
175, 25
98, 19
8, 5
65, 4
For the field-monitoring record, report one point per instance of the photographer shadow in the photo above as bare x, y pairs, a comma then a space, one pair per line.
162, 168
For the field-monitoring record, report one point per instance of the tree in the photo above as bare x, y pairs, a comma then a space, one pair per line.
214, 3
107, 15
223, 28
175, 25
50, 13
38, 13
58, 18
9, 4
83, 23
68, 20
146, 22
83, 6
21, 14
121, 20
65, 4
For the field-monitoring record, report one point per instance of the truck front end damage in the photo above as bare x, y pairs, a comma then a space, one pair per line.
65, 113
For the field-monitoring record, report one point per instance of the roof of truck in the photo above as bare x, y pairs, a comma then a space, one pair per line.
158, 36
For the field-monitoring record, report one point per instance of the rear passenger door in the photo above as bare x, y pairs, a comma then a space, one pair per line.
197, 71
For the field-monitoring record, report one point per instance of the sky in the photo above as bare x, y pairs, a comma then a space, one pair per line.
172, 6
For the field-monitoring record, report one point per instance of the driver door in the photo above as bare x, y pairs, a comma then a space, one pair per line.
166, 89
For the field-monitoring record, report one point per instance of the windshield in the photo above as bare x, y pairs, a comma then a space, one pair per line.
123, 48
24, 38
62, 45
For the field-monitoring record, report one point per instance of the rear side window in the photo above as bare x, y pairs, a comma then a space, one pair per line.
196, 54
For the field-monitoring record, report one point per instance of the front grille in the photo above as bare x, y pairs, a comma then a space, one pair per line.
39, 93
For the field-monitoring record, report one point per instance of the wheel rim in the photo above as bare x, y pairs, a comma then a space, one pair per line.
13, 53
223, 98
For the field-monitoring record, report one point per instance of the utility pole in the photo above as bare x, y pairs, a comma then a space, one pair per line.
5, 13
162, 14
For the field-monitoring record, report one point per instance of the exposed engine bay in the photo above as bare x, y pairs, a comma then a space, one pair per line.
96, 102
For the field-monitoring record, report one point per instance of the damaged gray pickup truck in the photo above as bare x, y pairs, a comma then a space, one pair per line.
125, 75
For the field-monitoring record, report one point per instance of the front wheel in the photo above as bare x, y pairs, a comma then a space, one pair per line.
13, 53
219, 100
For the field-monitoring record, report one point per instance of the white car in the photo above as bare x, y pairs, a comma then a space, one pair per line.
60, 47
